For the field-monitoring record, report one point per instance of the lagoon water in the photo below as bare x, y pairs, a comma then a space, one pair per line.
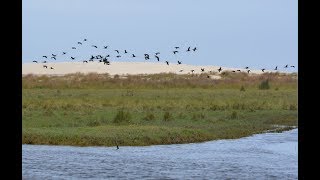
261, 156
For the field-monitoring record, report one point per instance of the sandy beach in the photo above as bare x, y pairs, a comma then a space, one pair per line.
121, 68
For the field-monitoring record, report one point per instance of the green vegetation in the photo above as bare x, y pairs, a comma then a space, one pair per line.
99, 110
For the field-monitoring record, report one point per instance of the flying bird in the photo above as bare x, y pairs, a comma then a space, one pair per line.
233, 71
74, 48
194, 49
179, 62
157, 53
133, 55
292, 66
202, 69
176, 47
219, 69
117, 51
247, 67
53, 54
192, 70
63, 53
286, 66
157, 57
51, 67
181, 70
276, 68
263, 70
248, 71
174, 52
45, 56
79, 43
35, 61
94, 46
167, 63
118, 56
105, 47
44, 62
188, 48
85, 61
45, 66
53, 58
239, 70
85, 40
125, 51
72, 58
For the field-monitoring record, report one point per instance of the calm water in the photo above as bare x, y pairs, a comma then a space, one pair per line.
262, 156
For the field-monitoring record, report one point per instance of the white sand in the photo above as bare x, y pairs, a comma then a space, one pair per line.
121, 68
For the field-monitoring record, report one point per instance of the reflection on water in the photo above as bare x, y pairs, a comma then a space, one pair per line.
262, 156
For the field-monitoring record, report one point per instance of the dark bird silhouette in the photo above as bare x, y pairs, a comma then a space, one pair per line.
292, 66
194, 49
74, 48
219, 69
208, 76
91, 60
202, 69
125, 51
174, 52
239, 70
157, 53
53, 58
118, 56
35, 61
192, 70
233, 71
105, 47
51, 67
248, 71
181, 70
45, 66
179, 62
276, 68
85, 61
95, 46
85, 40
79, 43
188, 48
167, 63
247, 67
176, 47
44, 62
45, 56
117, 147
286, 66
72, 58
263, 70
92, 57
146, 58
63, 53
133, 55
107, 55
157, 57
117, 51
54, 55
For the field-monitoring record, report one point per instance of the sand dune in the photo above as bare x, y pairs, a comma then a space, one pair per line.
120, 68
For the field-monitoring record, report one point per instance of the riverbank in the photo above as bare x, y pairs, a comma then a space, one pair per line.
138, 110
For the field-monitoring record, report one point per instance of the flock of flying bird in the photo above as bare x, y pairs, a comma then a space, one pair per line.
105, 59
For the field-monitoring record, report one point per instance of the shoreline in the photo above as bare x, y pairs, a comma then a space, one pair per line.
275, 130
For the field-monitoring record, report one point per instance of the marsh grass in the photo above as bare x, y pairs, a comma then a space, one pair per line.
96, 109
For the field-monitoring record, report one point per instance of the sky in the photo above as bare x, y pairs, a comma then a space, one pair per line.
229, 33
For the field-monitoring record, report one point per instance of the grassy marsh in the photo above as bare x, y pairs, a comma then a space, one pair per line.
99, 110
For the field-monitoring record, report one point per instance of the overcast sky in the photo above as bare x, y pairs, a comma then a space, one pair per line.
233, 33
